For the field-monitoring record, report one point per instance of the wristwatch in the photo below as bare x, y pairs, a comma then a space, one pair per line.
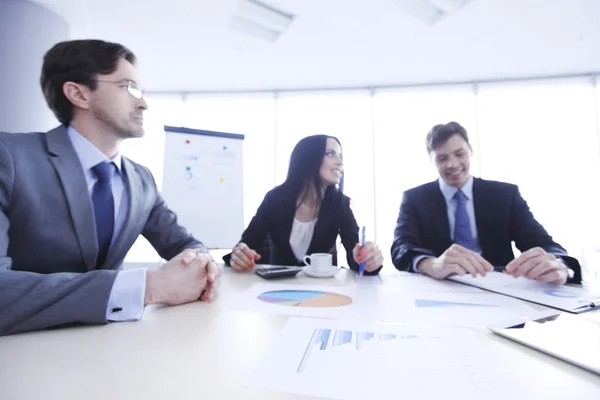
570, 272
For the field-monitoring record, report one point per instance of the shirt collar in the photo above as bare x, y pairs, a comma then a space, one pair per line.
88, 154
448, 191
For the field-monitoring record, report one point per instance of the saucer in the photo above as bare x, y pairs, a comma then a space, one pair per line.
326, 274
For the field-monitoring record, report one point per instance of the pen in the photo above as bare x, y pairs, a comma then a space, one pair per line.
361, 266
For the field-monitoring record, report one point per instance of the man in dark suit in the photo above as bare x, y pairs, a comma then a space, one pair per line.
71, 206
459, 224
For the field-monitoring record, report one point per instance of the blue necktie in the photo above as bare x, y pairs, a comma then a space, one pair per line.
462, 225
104, 209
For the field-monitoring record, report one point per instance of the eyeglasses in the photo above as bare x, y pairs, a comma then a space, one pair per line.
129, 86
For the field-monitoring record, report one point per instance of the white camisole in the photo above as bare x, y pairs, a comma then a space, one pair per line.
302, 233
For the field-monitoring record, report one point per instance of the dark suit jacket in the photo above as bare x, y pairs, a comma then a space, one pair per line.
501, 214
48, 245
275, 217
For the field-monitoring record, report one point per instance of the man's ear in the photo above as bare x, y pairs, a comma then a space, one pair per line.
77, 94
431, 158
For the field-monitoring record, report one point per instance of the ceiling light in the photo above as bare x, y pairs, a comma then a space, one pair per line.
430, 11
253, 29
448, 6
260, 20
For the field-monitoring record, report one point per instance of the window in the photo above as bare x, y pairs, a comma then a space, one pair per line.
149, 151
543, 137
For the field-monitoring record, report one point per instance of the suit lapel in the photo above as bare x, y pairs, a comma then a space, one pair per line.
74, 185
439, 215
482, 202
133, 184
286, 221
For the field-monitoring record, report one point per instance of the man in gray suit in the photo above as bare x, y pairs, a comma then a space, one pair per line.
71, 206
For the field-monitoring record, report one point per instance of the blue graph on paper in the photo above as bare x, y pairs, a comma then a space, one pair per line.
439, 303
560, 293
321, 338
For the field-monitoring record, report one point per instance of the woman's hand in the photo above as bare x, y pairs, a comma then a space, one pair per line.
243, 257
369, 254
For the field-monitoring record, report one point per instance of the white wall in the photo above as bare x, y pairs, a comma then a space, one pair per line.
27, 31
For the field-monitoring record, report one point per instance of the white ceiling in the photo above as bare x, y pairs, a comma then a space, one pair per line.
185, 45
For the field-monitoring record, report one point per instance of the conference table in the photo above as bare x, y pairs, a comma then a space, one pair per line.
208, 351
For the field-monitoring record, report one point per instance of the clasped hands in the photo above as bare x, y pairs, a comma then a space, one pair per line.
535, 264
187, 277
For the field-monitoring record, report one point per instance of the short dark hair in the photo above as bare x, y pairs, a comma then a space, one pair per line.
305, 166
439, 134
78, 61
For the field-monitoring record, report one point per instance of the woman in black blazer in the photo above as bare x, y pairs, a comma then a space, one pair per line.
306, 213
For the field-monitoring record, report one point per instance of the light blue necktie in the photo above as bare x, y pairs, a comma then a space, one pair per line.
462, 225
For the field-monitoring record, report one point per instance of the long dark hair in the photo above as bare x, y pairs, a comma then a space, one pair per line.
304, 170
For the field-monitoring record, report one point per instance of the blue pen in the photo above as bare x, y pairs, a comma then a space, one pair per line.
361, 266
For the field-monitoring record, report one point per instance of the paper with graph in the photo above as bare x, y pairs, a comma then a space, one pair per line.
567, 298
362, 360
407, 281
454, 309
302, 300
477, 308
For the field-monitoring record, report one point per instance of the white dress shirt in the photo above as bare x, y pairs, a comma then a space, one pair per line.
448, 191
126, 301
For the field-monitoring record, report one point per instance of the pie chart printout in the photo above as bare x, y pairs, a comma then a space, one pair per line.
305, 298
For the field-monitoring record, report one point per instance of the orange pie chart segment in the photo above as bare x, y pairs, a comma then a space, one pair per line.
305, 298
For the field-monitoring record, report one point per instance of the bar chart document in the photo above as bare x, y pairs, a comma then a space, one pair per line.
362, 360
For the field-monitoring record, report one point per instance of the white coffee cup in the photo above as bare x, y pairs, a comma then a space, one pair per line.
319, 262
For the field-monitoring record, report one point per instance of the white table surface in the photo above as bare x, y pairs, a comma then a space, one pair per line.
207, 351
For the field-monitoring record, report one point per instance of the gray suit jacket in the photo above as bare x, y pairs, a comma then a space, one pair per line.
48, 241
